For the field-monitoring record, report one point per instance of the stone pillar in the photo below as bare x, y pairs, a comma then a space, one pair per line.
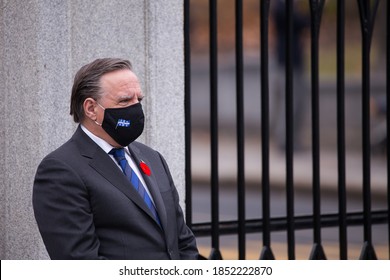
43, 43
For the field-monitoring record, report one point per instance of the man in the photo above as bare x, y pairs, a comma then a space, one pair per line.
87, 201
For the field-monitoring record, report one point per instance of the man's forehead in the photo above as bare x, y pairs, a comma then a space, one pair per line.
120, 79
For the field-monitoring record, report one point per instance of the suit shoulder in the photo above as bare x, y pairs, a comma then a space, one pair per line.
61, 150
67, 153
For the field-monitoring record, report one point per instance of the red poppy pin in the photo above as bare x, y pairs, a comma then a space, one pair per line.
145, 168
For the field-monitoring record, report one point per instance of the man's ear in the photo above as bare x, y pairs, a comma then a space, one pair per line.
89, 106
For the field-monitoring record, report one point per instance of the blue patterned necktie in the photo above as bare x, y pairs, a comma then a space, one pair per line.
119, 155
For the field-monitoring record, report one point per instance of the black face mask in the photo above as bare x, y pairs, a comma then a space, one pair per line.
124, 125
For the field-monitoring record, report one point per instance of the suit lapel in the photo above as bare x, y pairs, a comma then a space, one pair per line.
151, 183
105, 166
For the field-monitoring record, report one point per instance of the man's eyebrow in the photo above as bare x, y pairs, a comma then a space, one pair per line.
125, 97
129, 97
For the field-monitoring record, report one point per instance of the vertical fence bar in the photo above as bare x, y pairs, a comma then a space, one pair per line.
264, 20
316, 9
289, 130
187, 112
341, 129
366, 126
367, 23
388, 116
240, 131
215, 253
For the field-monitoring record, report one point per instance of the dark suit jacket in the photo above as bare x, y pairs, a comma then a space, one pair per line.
87, 209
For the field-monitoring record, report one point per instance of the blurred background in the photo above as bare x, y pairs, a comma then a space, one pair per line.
227, 149
251, 39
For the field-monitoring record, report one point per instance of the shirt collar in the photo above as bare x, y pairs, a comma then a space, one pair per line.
99, 141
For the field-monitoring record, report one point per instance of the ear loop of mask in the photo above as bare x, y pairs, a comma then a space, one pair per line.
103, 109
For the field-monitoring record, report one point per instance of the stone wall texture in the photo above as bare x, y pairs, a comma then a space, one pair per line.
42, 44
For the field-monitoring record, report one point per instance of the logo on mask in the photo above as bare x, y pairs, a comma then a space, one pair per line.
123, 123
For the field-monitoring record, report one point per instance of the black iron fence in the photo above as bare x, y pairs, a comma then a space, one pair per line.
266, 224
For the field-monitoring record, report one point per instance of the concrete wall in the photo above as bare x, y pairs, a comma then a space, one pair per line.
42, 44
